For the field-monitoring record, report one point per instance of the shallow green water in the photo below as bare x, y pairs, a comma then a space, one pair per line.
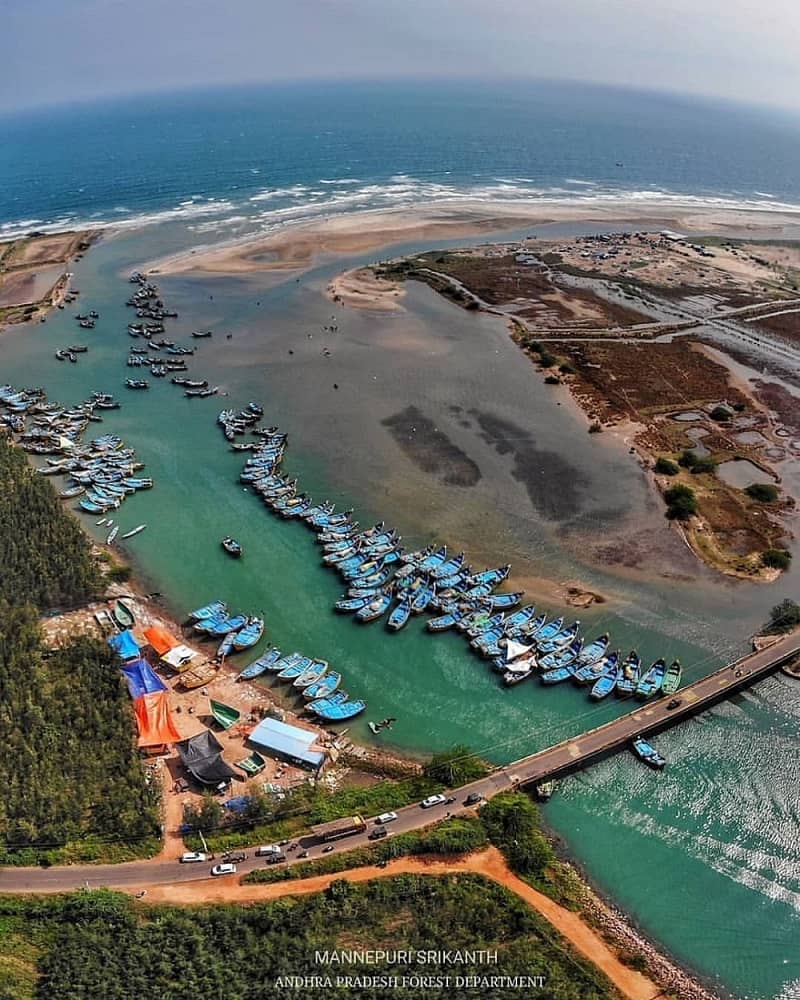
705, 855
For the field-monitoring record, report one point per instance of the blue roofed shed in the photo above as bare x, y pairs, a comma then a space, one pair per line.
289, 743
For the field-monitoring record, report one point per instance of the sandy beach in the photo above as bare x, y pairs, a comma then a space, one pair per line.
297, 246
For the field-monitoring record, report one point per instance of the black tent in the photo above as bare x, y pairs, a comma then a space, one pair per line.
202, 757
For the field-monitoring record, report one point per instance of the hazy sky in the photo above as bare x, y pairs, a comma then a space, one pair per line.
55, 50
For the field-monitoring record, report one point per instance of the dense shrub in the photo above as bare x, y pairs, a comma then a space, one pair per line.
762, 492
681, 502
666, 467
776, 558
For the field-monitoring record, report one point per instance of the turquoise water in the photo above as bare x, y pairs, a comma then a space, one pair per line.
705, 856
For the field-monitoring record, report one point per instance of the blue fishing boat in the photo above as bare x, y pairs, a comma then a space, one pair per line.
486, 642
506, 600
220, 628
324, 687
376, 607
648, 754
422, 599
566, 635
454, 582
261, 665
374, 579
631, 670
400, 615
559, 674
334, 532
588, 673
433, 560
295, 510
226, 646
295, 668
518, 621
351, 563
448, 568
351, 604
608, 679
335, 699
548, 630
213, 610
562, 657
443, 622
364, 568
595, 651
249, 635
336, 520
311, 674
533, 627
481, 624
285, 661
493, 576
651, 681
519, 670
338, 712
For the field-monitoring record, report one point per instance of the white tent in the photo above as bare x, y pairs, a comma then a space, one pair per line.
516, 649
179, 656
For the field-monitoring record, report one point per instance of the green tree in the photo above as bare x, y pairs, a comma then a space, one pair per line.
681, 502
666, 467
762, 492
784, 617
776, 558
457, 766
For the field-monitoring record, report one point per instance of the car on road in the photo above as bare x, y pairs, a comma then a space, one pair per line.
234, 856
674, 703
378, 832
266, 850
433, 800
385, 818
450, 799
190, 857
328, 849
304, 854
224, 869
276, 859
473, 799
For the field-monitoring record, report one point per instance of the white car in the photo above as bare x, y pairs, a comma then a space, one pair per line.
385, 818
226, 869
433, 800
192, 856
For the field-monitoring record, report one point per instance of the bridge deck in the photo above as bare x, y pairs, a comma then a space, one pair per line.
653, 717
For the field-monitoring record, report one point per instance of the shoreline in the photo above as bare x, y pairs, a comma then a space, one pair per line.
295, 246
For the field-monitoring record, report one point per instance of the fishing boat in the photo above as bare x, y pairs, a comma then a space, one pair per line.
672, 678
249, 635
201, 334
422, 599
295, 668
651, 681
562, 638
377, 607
558, 675
324, 687
123, 615
112, 535
626, 684
518, 621
260, 666
505, 600
137, 383
400, 615
444, 622
284, 661
135, 531
311, 674
494, 576
352, 604
212, 610
72, 491
198, 676
648, 754
222, 628
519, 670
448, 568
595, 651
548, 630
339, 711
232, 547
202, 393
224, 715
225, 648
544, 790
565, 656
433, 560
608, 679
590, 672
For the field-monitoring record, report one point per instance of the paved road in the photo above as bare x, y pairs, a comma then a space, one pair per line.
560, 759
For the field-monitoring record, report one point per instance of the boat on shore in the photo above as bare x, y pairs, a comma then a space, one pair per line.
123, 615
324, 687
260, 666
311, 674
249, 635
212, 610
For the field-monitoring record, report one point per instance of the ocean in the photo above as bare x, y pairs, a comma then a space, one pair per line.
706, 856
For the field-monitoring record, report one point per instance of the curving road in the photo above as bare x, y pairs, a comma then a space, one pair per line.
561, 759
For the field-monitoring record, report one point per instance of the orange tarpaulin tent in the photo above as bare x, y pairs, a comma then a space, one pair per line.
161, 641
154, 720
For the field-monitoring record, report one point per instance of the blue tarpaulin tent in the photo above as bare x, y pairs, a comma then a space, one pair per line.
142, 679
238, 804
124, 644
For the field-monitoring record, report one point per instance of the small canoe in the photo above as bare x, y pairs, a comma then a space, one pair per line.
672, 678
198, 676
220, 628
123, 615
260, 666
112, 535
225, 648
374, 609
225, 715
134, 531
606, 682
285, 661
252, 765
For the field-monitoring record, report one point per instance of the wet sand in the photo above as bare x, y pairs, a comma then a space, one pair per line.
296, 247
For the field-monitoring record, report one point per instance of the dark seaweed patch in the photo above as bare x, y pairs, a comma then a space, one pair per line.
430, 449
